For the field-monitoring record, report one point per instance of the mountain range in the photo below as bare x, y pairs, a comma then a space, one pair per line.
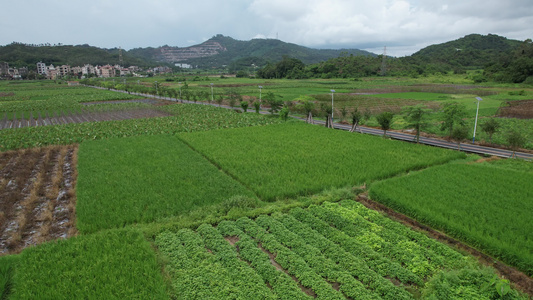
473, 50
222, 50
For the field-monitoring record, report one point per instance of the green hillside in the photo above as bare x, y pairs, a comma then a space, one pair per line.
473, 51
257, 51
23, 55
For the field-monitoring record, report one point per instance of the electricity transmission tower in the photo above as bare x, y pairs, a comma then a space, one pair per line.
121, 61
384, 62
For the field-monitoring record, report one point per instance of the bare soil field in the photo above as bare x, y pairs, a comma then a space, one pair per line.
37, 196
522, 109
85, 116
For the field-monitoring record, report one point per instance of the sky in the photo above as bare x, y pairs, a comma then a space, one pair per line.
403, 26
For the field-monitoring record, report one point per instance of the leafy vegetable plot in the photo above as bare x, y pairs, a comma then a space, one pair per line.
486, 206
142, 179
295, 158
332, 251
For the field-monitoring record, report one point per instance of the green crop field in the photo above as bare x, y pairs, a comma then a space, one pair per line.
295, 158
189, 117
117, 264
142, 179
46, 97
212, 203
489, 207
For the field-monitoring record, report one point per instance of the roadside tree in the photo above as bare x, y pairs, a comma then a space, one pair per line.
385, 121
515, 140
459, 134
244, 106
356, 118
453, 114
416, 117
490, 127
274, 101
326, 110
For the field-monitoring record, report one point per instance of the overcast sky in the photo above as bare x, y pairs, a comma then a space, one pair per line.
404, 26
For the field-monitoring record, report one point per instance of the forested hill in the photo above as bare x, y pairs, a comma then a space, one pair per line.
24, 55
471, 51
222, 50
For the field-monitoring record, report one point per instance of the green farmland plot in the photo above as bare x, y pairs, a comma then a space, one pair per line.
295, 158
189, 117
142, 179
40, 97
117, 264
487, 206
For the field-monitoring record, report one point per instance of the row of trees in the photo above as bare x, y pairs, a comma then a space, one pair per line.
453, 116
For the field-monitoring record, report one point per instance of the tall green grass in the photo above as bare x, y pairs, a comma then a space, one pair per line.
296, 158
142, 179
117, 264
7, 267
489, 207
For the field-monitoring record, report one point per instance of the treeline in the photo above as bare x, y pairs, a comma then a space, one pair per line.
503, 62
350, 66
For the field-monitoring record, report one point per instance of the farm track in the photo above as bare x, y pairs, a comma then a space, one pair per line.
37, 196
85, 116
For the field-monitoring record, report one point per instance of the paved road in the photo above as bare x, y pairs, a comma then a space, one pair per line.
466, 147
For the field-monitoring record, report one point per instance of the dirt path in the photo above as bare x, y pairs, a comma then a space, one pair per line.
37, 196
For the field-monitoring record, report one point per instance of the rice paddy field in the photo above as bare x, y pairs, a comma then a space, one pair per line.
488, 206
290, 159
210, 203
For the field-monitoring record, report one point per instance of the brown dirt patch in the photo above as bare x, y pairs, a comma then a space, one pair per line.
519, 279
487, 159
2, 94
37, 196
232, 239
521, 109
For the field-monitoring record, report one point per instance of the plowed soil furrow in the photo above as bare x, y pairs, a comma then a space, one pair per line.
64, 212
37, 196
25, 217
20, 197
36, 231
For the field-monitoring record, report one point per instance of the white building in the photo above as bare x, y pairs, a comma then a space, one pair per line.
41, 68
86, 70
